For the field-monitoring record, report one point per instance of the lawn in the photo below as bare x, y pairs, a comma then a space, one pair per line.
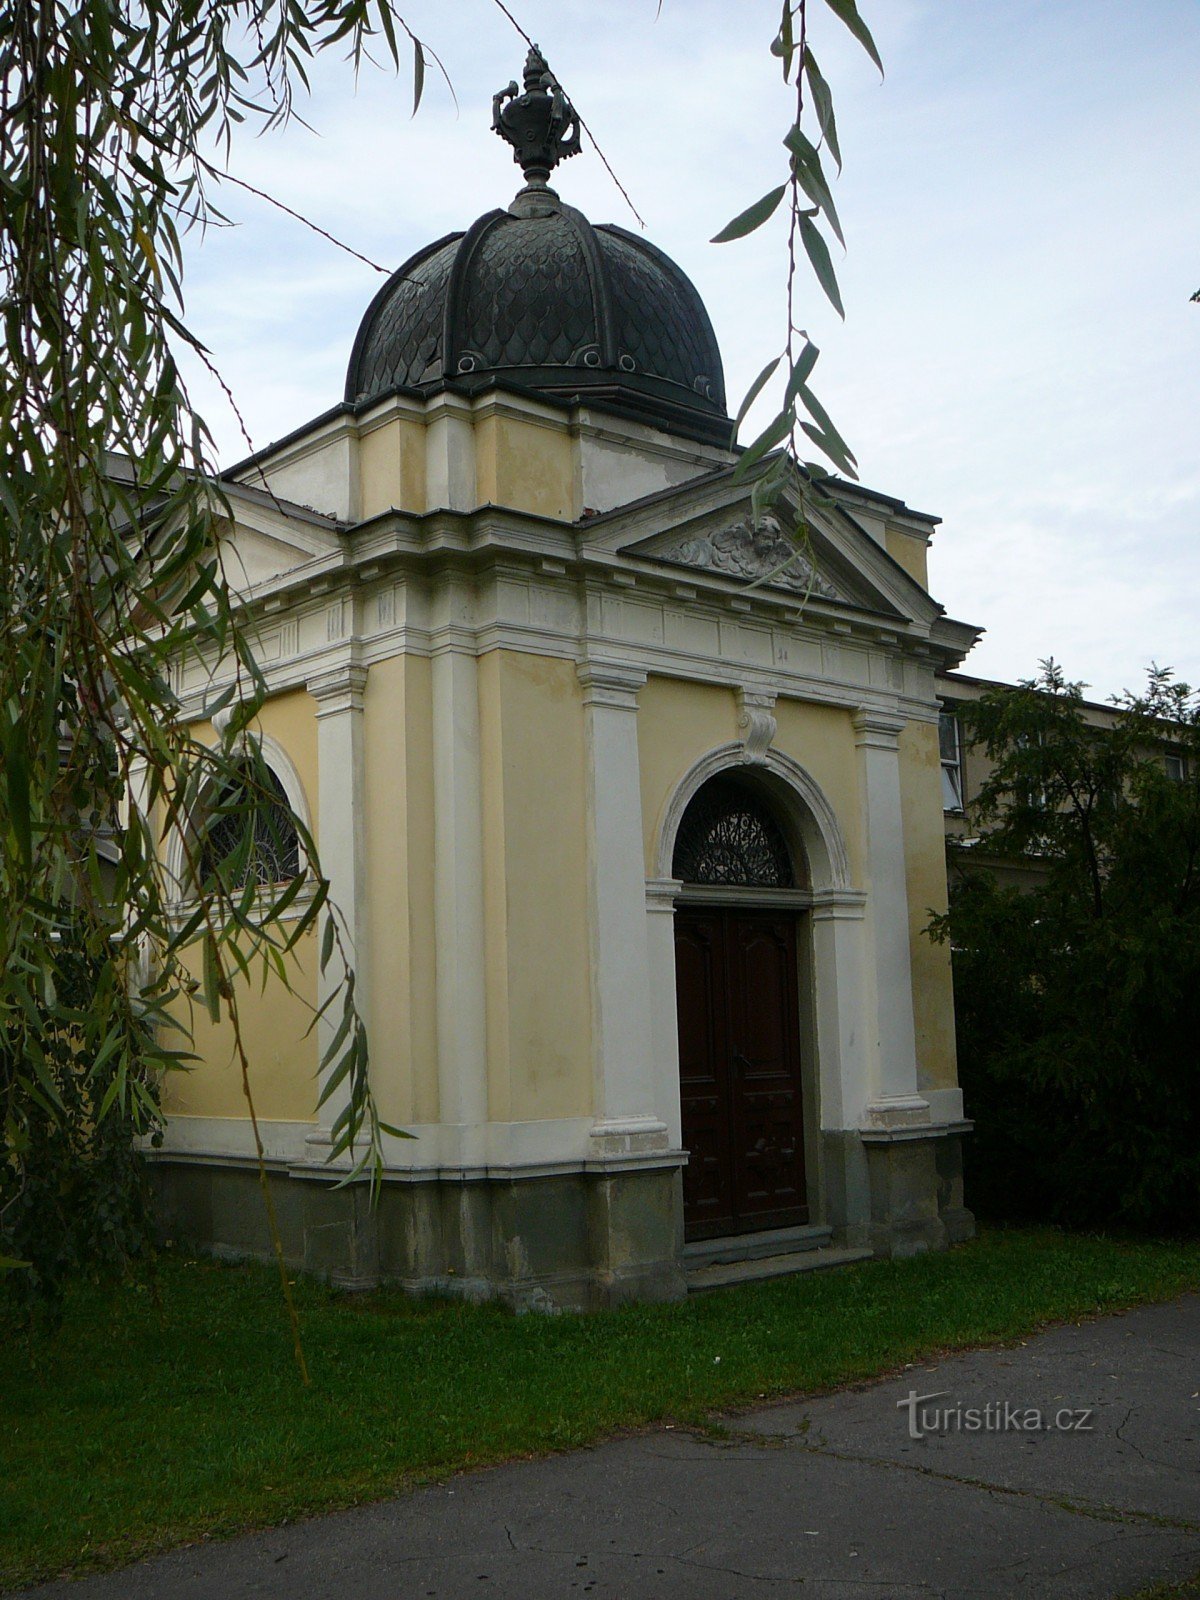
150, 1421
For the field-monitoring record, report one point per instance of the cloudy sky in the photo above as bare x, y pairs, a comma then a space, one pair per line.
1020, 201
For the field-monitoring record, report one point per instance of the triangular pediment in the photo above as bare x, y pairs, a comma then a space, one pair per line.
709, 528
252, 557
269, 539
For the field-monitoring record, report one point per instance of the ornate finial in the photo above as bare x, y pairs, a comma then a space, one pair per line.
541, 124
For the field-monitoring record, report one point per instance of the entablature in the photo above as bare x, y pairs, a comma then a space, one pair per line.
681, 585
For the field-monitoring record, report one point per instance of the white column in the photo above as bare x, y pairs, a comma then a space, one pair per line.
895, 1099
458, 895
622, 1052
341, 844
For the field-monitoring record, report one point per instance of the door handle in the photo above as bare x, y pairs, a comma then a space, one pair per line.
739, 1060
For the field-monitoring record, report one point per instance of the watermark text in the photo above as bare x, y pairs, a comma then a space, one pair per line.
996, 1416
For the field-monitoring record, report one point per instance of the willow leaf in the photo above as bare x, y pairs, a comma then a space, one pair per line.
753, 392
772, 435
822, 99
847, 12
818, 253
753, 217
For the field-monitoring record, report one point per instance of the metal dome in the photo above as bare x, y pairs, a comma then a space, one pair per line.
538, 298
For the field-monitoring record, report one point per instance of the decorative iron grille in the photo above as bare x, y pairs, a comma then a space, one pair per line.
250, 834
729, 836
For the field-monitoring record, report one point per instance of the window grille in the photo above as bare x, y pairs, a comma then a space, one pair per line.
950, 745
728, 836
253, 805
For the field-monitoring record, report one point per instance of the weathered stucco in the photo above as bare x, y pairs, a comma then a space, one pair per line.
925, 870
535, 911
503, 702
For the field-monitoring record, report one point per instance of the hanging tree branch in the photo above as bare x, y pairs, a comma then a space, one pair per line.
111, 570
801, 420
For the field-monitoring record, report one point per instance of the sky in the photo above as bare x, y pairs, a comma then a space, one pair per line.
1021, 208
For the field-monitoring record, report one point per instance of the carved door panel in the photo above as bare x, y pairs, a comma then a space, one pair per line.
704, 1072
766, 1099
739, 1068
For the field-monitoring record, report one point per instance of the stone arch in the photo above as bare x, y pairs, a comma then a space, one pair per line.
803, 808
750, 978
282, 765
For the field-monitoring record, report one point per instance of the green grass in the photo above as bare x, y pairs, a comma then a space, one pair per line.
143, 1425
1189, 1589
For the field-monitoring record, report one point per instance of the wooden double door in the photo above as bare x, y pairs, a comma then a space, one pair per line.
739, 1069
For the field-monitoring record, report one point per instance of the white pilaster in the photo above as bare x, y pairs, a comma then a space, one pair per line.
458, 890
895, 1099
341, 844
450, 456
622, 1049
661, 894
135, 803
135, 800
840, 980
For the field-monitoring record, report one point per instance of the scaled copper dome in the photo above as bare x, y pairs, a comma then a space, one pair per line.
537, 298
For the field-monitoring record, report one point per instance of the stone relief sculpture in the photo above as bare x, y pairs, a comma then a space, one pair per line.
758, 553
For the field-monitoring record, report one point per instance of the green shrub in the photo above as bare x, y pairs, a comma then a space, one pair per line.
74, 1197
1077, 1000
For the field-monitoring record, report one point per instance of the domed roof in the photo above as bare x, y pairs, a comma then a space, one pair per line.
539, 299
550, 304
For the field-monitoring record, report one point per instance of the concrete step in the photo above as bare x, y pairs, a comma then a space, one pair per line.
749, 1246
728, 1275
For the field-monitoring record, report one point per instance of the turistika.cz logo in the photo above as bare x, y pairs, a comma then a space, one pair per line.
997, 1416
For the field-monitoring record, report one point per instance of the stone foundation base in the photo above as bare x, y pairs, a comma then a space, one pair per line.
957, 1220
597, 1235
578, 1240
899, 1192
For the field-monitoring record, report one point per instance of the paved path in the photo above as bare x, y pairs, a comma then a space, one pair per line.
822, 1498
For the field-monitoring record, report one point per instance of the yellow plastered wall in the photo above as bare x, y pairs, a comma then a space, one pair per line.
283, 1062
678, 723
291, 720
925, 870
526, 465
402, 1023
391, 468
821, 740
535, 888
911, 552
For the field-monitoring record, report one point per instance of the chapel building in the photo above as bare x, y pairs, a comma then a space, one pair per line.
632, 808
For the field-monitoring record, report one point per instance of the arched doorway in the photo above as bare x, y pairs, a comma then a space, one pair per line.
738, 1004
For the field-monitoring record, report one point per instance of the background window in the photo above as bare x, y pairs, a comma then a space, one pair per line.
950, 745
1176, 767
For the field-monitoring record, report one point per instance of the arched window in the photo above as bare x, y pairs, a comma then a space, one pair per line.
729, 836
249, 831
